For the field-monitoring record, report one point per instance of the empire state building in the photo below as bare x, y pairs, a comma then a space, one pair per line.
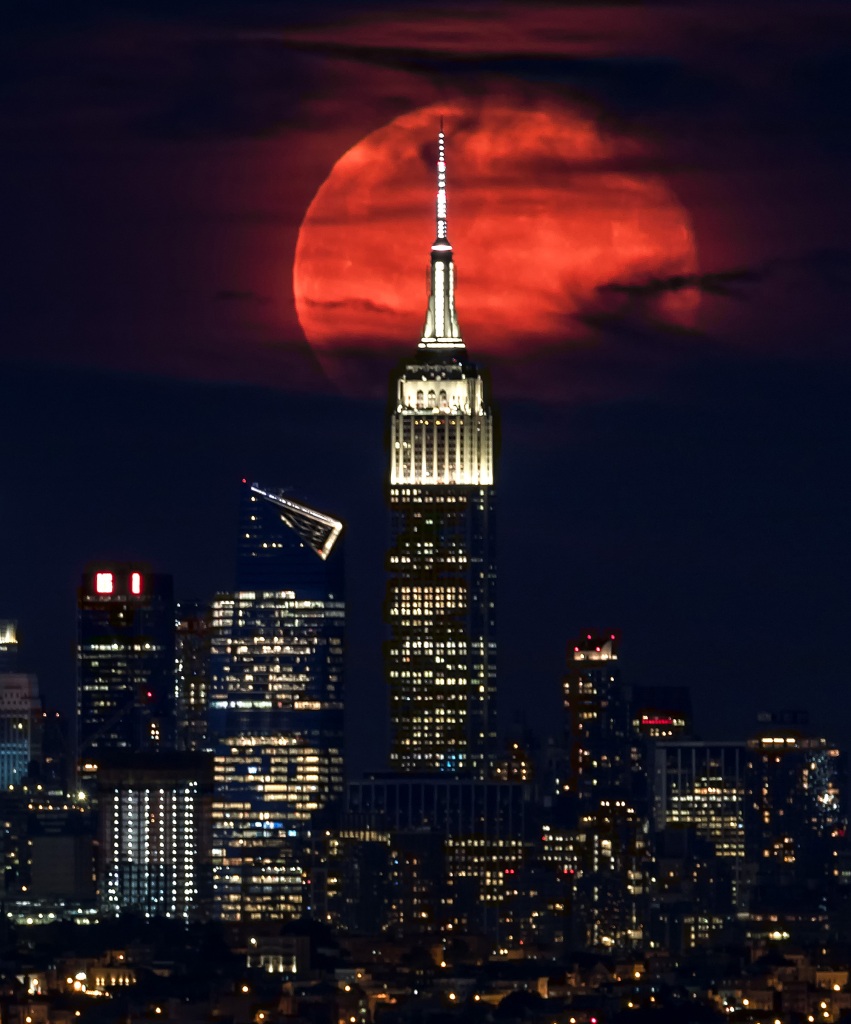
441, 651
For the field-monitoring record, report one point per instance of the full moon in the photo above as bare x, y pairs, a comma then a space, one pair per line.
544, 208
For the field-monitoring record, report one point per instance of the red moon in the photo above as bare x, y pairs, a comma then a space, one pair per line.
544, 207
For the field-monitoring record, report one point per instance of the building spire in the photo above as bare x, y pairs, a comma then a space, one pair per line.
441, 326
441, 188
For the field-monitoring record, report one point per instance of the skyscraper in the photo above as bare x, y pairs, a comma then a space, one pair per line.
154, 836
276, 702
441, 651
597, 710
125, 661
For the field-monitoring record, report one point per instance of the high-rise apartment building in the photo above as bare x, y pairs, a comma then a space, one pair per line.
276, 702
598, 720
441, 651
125, 662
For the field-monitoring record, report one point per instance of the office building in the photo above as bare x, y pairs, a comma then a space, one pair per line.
20, 726
701, 785
456, 846
154, 814
440, 603
276, 702
125, 663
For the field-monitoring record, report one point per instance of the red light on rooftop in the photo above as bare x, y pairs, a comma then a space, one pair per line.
135, 583
103, 583
589, 636
244, 480
597, 648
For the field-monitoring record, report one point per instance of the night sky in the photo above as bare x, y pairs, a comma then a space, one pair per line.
675, 436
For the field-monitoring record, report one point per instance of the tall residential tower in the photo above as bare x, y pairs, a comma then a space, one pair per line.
441, 651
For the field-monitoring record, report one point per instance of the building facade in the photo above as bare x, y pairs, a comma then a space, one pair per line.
125, 663
794, 814
440, 602
192, 672
20, 722
154, 813
276, 702
597, 714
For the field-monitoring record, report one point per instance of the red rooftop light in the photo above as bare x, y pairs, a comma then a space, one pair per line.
103, 583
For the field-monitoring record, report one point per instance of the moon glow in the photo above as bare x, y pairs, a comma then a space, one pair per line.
544, 208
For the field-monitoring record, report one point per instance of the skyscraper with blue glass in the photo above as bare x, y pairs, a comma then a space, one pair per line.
276, 701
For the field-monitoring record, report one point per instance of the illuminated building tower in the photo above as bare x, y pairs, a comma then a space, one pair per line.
441, 651
154, 834
276, 702
20, 721
8, 646
597, 710
192, 672
125, 662
794, 815
701, 785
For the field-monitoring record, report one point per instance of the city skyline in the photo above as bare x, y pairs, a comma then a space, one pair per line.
689, 476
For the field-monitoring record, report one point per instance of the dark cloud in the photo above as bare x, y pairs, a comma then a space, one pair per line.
236, 295
727, 283
361, 305
828, 266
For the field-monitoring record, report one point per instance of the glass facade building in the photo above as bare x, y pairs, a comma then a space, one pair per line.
125, 662
276, 702
440, 602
